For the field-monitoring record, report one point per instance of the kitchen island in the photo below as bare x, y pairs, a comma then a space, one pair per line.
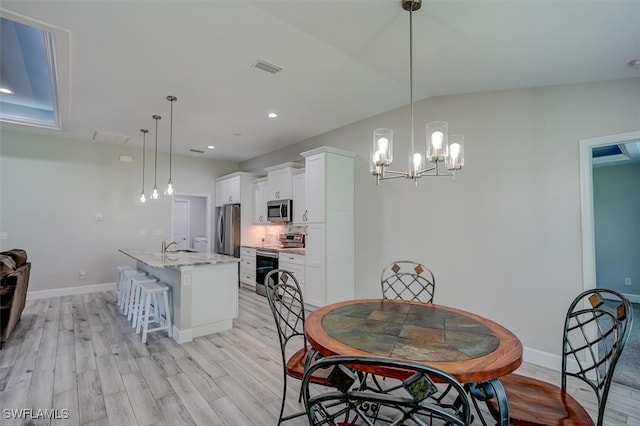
204, 289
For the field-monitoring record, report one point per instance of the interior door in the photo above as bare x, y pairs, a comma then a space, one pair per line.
181, 223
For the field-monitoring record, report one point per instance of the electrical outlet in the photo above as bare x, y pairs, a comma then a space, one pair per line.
627, 281
99, 216
82, 275
4, 235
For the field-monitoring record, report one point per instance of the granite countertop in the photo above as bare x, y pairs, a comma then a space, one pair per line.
177, 259
294, 250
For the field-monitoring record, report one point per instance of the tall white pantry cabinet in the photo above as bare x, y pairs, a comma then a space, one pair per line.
330, 241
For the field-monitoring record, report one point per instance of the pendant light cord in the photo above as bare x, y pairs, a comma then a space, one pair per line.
155, 172
171, 99
144, 144
411, 76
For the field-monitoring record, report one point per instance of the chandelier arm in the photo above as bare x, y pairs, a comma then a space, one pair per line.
395, 173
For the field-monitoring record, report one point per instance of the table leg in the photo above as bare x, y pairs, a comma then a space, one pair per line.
489, 390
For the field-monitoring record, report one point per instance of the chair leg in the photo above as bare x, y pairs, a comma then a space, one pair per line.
167, 313
145, 321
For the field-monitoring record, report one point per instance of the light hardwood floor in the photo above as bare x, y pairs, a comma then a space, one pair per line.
78, 353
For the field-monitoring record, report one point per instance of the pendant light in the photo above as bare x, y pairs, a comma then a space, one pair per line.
143, 197
441, 147
154, 194
169, 189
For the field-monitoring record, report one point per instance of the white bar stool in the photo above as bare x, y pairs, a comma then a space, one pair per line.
158, 311
119, 285
134, 299
124, 284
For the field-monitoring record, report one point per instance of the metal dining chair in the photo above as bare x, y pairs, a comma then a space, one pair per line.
425, 395
408, 280
593, 339
286, 303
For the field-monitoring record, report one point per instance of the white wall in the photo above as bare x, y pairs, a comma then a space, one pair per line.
504, 240
616, 205
52, 189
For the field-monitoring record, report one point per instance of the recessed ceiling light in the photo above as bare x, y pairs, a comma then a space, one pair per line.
5, 90
634, 63
272, 115
211, 147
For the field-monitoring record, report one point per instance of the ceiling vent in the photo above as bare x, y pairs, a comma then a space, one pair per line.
197, 151
266, 66
109, 137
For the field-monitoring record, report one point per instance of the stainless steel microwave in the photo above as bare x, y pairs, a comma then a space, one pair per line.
279, 210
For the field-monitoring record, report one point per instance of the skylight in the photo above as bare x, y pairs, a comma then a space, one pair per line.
28, 76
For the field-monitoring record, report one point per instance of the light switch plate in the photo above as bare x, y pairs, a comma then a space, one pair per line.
4, 235
99, 216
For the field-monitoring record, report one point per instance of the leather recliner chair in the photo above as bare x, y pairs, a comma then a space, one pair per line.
14, 281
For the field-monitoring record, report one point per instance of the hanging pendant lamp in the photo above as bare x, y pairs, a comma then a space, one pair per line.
143, 197
442, 149
169, 189
154, 194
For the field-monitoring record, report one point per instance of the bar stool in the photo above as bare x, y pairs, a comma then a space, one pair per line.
119, 285
158, 311
124, 285
134, 299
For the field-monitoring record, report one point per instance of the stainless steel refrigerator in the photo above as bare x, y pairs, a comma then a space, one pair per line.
228, 230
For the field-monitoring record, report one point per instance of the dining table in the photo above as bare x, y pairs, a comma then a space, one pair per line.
472, 348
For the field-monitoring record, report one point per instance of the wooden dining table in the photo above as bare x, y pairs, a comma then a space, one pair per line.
473, 349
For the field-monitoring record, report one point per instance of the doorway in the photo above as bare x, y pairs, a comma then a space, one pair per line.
589, 275
191, 220
597, 271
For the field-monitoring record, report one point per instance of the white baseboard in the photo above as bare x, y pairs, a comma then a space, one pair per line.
69, 291
547, 359
543, 359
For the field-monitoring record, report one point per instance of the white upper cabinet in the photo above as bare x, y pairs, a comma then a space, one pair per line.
259, 203
228, 191
298, 189
279, 181
315, 187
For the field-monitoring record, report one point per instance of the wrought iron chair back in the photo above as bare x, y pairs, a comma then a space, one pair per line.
594, 336
425, 396
408, 280
287, 306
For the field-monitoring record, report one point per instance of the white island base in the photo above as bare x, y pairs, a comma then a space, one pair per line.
204, 296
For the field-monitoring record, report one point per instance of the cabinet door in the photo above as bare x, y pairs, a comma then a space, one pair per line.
315, 184
219, 195
279, 185
233, 190
315, 265
299, 200
259, 203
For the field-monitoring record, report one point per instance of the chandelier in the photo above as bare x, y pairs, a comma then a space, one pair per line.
442, 149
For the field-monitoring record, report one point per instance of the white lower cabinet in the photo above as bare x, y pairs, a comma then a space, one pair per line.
248, 265
294, 263
315, 291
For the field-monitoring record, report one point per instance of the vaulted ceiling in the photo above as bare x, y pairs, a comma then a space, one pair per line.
342, 61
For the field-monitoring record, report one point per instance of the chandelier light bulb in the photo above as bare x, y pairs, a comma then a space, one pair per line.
143, 198
154, 194
436, 139
170, 188
417, 161
383, 144
455, 150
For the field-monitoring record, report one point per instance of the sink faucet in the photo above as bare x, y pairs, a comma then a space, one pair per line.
165, 246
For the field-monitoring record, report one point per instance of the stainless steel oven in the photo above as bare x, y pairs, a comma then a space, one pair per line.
266, 260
